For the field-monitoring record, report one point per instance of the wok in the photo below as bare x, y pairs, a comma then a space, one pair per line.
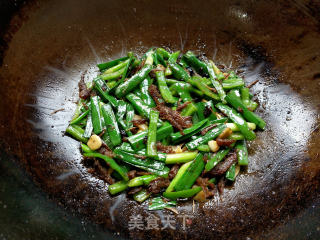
47, 45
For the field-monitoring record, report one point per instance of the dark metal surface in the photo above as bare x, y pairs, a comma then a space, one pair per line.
276, 42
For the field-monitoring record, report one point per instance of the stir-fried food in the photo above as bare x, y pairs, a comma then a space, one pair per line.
165, 126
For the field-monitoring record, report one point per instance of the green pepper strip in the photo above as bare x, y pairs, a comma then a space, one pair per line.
142, 108
173, 57
236, 136
110, 64
178, 176
145, 96
177, 136
183, 92
164, 90
111, 124
232, 83
165, 54
79, 118
98, 85
195, 63
216, 159
111, 163
199, 83
131, 159
178, 72
127, 86
180, 157
118, 187
161, 59
182, 194
76, 132
88, 130
117, 67
155, 59
157, 203
141, 196
152, 134
191, 174
216, 84
204, 148
238, 120
96, 116
141, 180
212, 134
189, 110
85, 148
242, 153
112, 75
183, 63
129, 118
122, 108
231, 173
248, 115
136, 140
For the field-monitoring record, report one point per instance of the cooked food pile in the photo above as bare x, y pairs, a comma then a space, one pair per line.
165, 126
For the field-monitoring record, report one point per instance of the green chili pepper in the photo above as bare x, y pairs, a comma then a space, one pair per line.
191, 174
248, 115
178, 72
129, 118
110, 64
180, 157
165, 54
152, 134
232, 83
141, 180
96, 116
216, 84
145, 96
238, 120
142, 108
231, 173
164, 90
80, 117
118, 187
85, 148
98, 85
178, 176
212, 134
173, 57
127, 86
122, 108
157, 203
182, 194
204, 148
177, 136
199, 66
111, 124
136, 140
88, 130
198, 82
113, 75
141, 196
189, 110
242, 153
137, 162
216, 159
76, 132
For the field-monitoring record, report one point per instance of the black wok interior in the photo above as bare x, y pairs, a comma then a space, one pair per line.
46, 47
